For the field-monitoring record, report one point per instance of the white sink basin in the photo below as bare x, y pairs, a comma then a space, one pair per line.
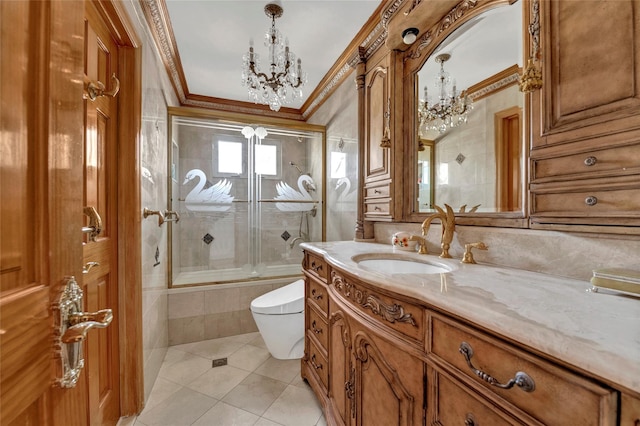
394, 264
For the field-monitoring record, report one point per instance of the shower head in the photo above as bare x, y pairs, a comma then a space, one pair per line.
291, 163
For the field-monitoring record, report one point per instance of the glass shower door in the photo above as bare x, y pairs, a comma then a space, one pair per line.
247, 197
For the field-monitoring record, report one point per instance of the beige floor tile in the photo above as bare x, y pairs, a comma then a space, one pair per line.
295, 407
182, 409
255, 393
226, 415
258, 341
218, 381
322, 421
247, 337
216, 348
283, 370
185, 370
162, 389
266, 422
249, 357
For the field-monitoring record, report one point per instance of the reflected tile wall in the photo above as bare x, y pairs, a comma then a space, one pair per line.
339, 114
157, 93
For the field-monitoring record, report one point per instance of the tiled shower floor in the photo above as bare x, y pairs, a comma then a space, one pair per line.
252, 389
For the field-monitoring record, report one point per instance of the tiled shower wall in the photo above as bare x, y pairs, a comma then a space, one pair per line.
339, 114
157, 93
209, 312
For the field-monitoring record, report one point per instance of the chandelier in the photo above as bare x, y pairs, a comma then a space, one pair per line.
452, 107
281, 83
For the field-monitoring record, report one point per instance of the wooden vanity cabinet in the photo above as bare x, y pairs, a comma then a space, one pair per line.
375, 378
315, 368
585, 140
375, 357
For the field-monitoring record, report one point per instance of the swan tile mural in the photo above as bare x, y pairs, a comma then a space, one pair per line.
291, 195
215, 198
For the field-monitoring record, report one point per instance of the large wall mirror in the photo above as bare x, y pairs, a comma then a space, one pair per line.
467, 148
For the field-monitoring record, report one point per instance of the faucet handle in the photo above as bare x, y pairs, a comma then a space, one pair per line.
422, 242
468, 255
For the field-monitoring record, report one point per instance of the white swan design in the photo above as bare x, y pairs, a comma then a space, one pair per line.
216, 198
286, 192
346, 197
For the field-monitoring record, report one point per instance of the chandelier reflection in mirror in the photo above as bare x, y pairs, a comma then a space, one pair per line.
281, 83
452, 107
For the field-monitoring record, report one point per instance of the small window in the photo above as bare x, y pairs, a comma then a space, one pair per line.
338, 165
229, 157
266, 160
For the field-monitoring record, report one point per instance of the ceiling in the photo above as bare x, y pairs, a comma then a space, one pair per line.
212, 36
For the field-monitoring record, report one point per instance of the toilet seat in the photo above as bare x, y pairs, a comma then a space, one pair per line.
281, 301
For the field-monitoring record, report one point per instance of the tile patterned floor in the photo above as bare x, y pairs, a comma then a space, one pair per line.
252, 389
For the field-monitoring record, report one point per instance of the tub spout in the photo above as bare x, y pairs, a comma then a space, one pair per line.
293, 242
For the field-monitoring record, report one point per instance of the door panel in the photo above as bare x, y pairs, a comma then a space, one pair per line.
40, 213
100, 284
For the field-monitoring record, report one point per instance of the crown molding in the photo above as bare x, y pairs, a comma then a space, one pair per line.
367, 41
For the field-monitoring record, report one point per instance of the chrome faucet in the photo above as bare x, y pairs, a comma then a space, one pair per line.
448, 222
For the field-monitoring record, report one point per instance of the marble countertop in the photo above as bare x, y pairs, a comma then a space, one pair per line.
596, 332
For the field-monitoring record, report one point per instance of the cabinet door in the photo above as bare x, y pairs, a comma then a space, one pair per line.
389, 382
377, 91
591, 57
340, 367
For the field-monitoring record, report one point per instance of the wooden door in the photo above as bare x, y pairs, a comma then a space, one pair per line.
45, 183
100, 280
41, 55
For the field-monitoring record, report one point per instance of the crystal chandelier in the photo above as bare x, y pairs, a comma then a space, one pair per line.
452, 107
281, 83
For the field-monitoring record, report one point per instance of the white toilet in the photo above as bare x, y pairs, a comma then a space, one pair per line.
279, 316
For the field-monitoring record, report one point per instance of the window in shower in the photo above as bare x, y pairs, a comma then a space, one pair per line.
247, 196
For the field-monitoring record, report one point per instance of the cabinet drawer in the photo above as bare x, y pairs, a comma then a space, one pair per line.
316, 265
318, 363
605, 162
382, 191
317, 326
402, 316
377, 208
455, 405
600, 202
558, 397
316, 293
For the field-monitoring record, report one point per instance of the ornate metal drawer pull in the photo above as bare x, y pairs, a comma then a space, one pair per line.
469, 420
317, 296
591, 200
522, 380
314, 328
590, 161
313, 363
315, 267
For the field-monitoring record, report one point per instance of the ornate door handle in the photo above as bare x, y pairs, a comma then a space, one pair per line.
72, 326
96, 89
